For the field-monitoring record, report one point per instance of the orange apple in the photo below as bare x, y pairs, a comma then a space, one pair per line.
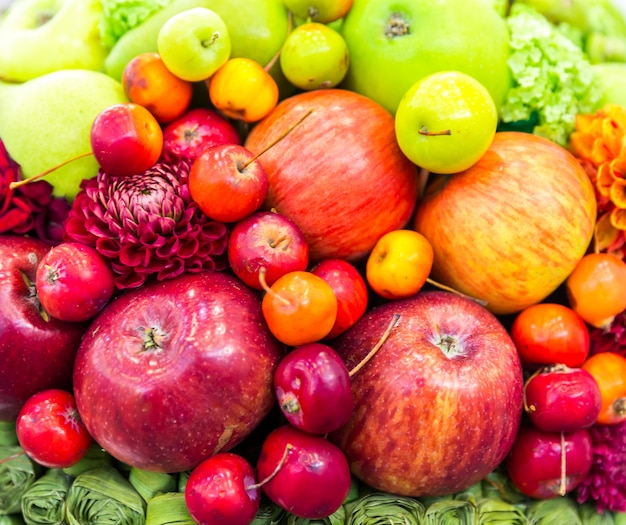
510, 229
399, 264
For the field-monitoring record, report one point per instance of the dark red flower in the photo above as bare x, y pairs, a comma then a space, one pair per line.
611, 339
605, 485
31, 208
147, 225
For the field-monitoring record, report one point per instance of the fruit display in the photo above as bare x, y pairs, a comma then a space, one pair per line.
290, 262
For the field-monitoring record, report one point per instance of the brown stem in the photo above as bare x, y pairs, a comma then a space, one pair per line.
277, 140
425, 131
275, 58
12, 457
268, 290
33, 178
280, 465
482, 302
381, 341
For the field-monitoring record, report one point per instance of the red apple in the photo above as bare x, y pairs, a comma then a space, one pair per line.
350, 290
126, 139
510, 229
340, 174
176, 371
544, 464
36, 352
74, 281
270, 241
227, 182
438, 406
193, 132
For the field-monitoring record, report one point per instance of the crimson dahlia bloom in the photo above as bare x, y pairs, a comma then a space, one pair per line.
29, 209
605, 485
147, 225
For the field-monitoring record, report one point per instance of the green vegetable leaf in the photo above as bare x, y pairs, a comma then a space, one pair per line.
119, 16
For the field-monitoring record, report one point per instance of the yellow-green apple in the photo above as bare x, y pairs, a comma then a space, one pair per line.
446, 121
157, 392
438, 406
394, 43
41, 36
193, 44
511, 228
340, 174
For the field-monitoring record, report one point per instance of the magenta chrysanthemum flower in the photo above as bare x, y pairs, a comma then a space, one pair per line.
147, 225
605, 485
611, 339
29, 209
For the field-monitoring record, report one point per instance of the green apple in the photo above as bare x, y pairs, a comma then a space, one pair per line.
194, 44
446, 121
41, 36
47, 121
314, 56
394, 43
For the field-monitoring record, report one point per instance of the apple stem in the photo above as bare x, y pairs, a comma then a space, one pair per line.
33, 178
268, 290
425, 131
381, 341
277, 140
482, 302
563, 481
12, 456
281, 463
527, 407
275, 58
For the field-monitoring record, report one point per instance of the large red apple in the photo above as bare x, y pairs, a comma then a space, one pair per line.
511, 228
36, 352
339, 174
173, 372
438, 406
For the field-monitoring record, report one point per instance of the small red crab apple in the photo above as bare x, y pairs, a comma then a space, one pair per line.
74, 282
50, 431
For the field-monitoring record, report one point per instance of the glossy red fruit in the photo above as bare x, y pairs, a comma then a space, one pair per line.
350, 290
544, 464
312, 385
227, 183
50, 431
562, 399
550, 333
197, 129
312, 475
126, 139
266, 240
74, 282
222, 490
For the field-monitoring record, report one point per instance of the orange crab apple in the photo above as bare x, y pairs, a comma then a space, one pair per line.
242, 89
399, 264
148, 82
596, 288
299, 308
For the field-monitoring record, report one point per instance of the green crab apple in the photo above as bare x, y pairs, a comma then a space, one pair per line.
394, 43
314, 56
446, 121
322, 11
193, 44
